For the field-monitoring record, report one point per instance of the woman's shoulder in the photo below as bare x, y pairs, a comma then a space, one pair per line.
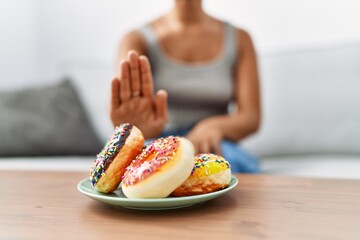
243, 37
133, 40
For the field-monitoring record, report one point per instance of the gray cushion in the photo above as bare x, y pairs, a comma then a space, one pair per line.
46, 120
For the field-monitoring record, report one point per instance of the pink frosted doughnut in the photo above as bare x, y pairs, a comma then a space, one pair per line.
162, 166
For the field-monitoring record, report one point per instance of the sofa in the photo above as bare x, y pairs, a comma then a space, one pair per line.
310, 121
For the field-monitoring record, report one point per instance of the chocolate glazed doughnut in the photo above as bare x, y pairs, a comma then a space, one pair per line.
110, 164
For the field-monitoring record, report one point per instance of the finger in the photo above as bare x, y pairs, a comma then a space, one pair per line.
197, 150
125, 93
204, 147
133, 58
147, 84
161, 104
216, 147
115, 94
196, 147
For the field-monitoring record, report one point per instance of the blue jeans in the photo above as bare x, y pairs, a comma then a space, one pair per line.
240, 160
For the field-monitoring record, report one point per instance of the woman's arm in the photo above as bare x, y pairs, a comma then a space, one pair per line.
246, 118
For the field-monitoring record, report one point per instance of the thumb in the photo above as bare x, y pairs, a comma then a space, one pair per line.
161, 104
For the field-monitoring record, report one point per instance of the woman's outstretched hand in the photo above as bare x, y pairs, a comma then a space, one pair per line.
133, 99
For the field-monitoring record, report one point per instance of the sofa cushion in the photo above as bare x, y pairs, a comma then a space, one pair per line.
46, 163
311, 102
327, 166
47, 120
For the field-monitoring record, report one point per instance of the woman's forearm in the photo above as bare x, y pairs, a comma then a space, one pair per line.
236, 126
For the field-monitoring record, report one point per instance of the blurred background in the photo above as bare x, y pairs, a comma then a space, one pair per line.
309, 63
40, 37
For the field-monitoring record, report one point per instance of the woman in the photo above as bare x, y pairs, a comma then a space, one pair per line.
199, 65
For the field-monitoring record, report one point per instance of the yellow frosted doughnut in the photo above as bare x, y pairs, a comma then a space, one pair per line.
210, 173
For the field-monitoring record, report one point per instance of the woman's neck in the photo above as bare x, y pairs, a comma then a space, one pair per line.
188, 11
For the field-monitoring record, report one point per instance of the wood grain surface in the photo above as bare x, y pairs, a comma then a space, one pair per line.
47, 205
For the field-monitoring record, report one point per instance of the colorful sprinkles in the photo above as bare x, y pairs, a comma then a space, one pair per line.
208, 163
108, 153
152, 158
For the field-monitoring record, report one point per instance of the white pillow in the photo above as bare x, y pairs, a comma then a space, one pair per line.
311, 103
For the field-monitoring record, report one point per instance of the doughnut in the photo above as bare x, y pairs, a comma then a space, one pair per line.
110, 164
210, 173
162, 166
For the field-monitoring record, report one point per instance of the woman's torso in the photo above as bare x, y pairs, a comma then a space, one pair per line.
199, 83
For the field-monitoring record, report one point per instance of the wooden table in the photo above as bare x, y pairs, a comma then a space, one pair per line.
47, 205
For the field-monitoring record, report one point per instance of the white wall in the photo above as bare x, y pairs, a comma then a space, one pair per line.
40, 38
279, 24
74, 31
18, 41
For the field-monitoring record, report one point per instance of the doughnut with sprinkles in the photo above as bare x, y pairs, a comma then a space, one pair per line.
109, 166
161, 167
210, 173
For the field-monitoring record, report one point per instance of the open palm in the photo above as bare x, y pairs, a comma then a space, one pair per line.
133, 99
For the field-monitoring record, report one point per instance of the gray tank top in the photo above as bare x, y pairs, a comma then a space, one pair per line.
194, 91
